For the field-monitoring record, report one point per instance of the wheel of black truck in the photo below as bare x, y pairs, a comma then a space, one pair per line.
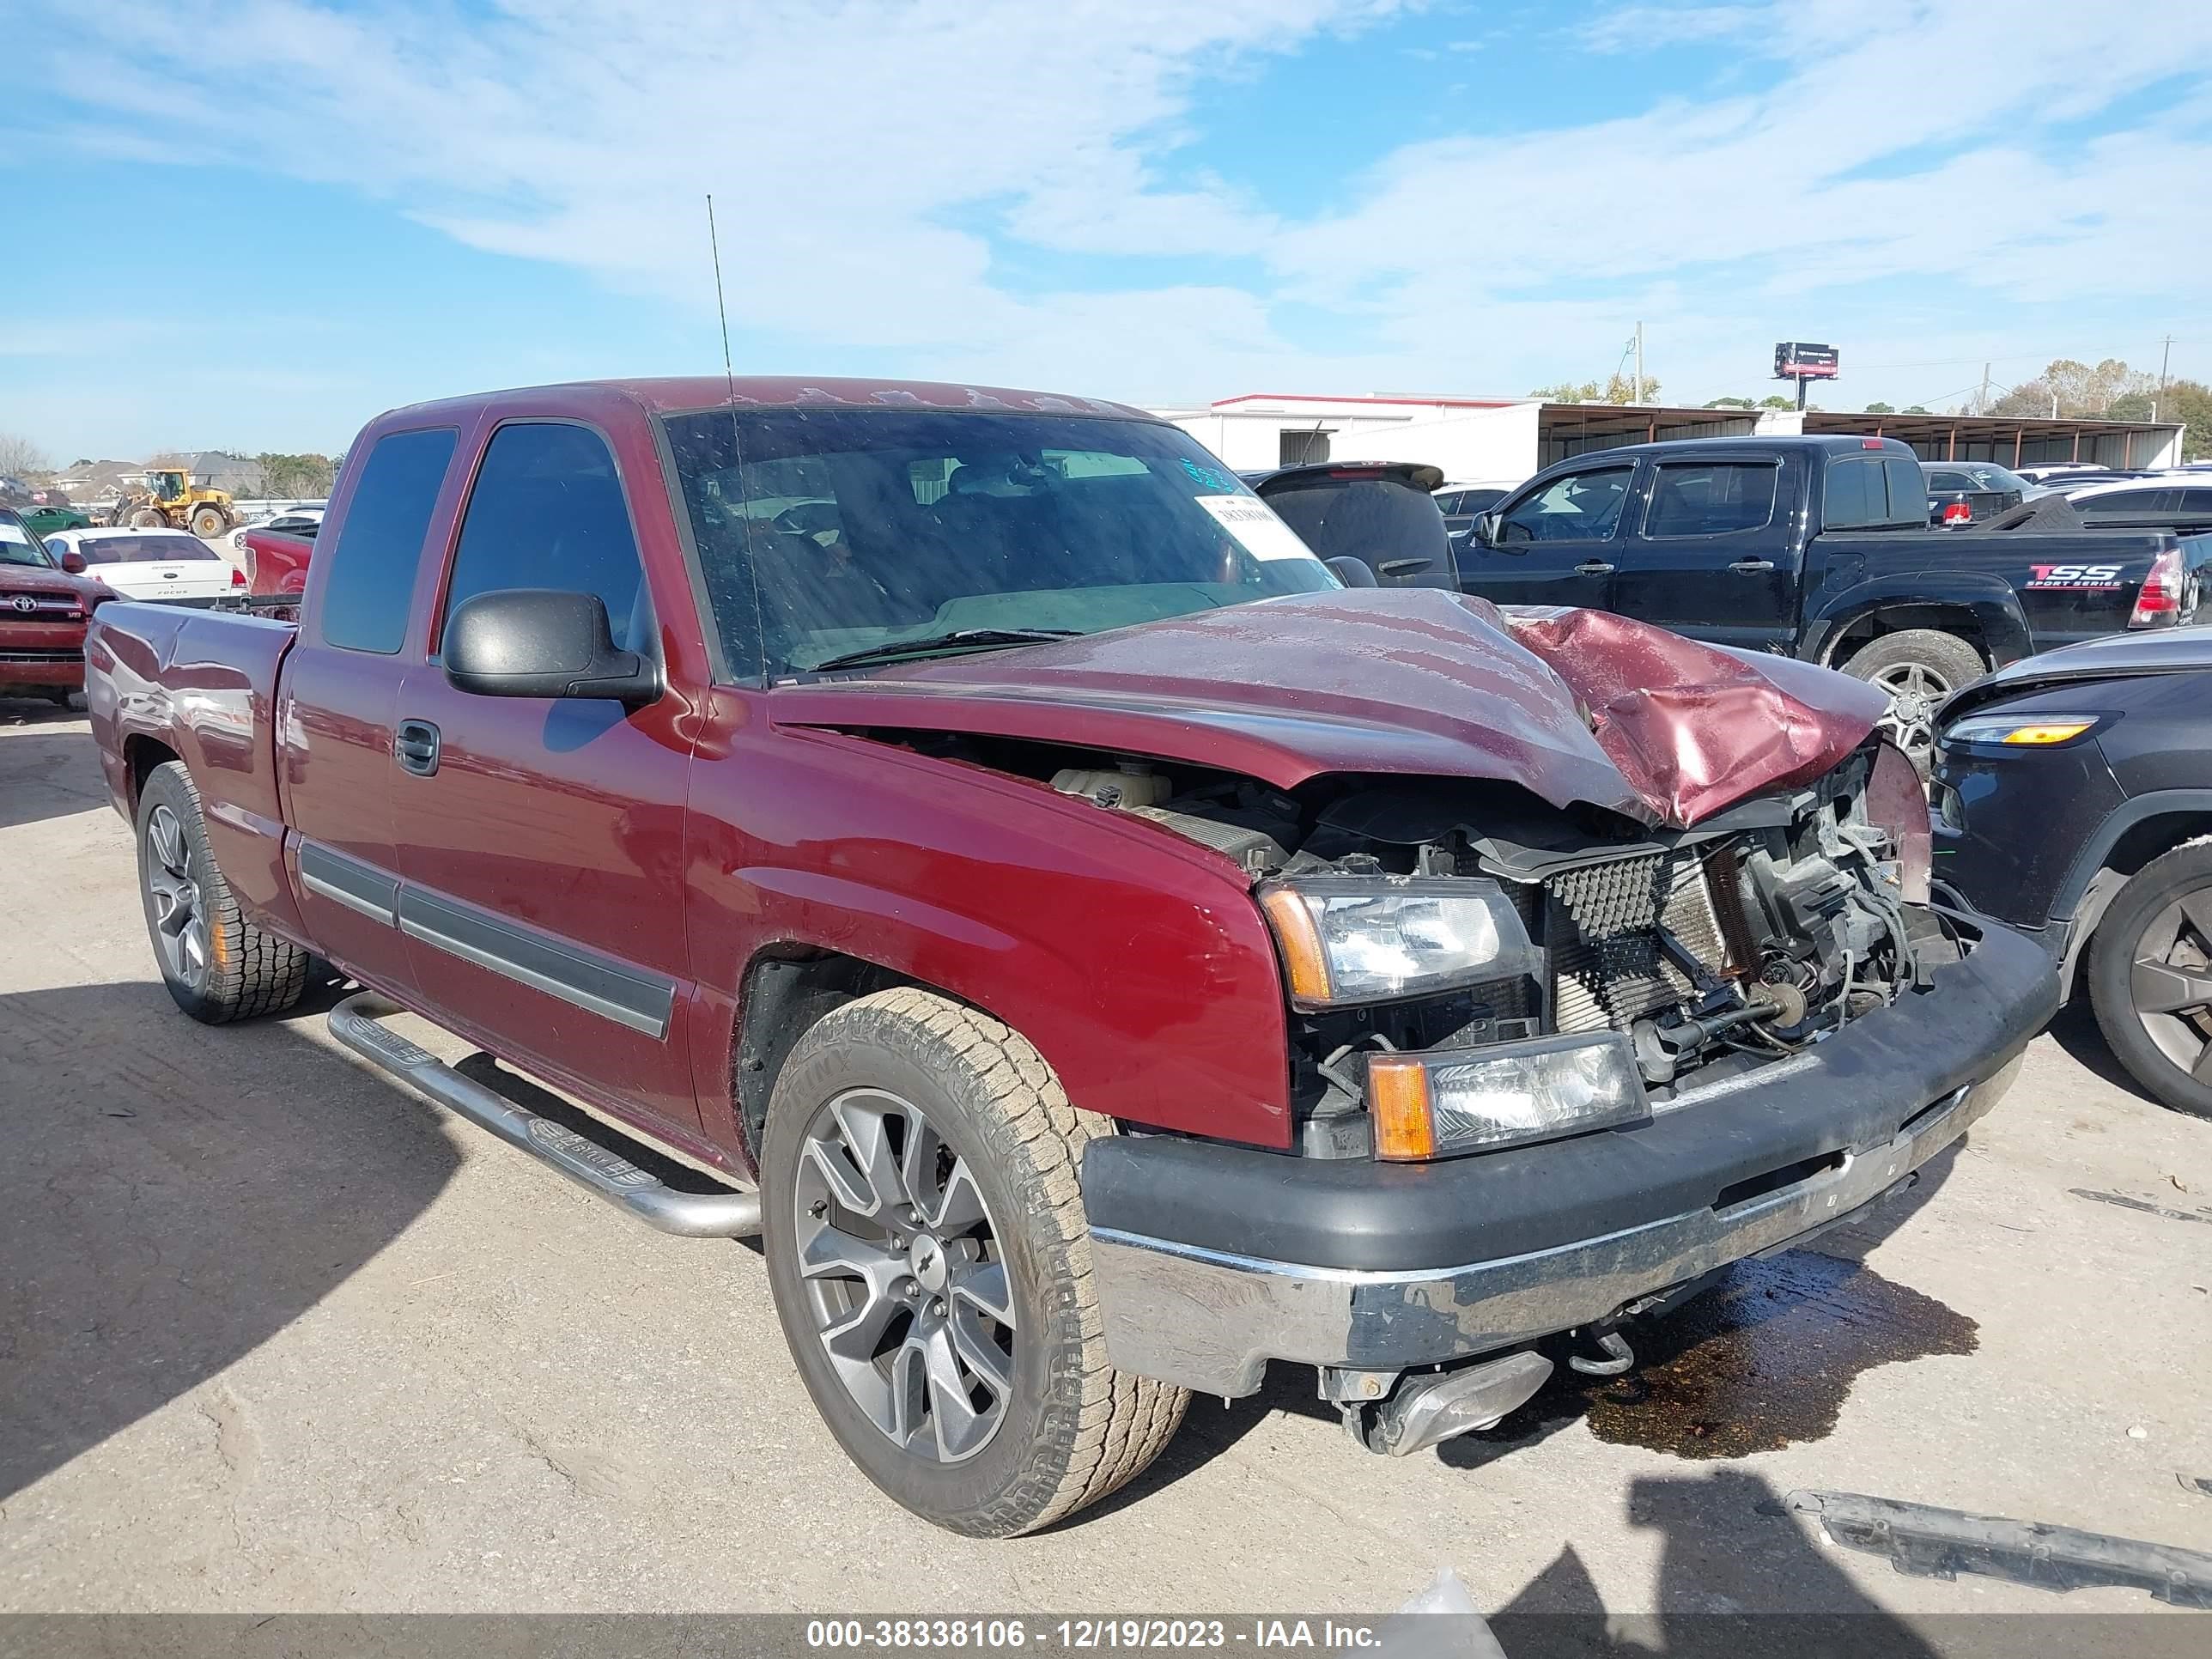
2150, 978
927, 1248
1918, 668
218, 966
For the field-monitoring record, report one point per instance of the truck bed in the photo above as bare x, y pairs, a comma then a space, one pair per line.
172, 683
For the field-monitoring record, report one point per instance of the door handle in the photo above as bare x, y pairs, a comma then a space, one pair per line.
415, 746
1752, 567
1594, 567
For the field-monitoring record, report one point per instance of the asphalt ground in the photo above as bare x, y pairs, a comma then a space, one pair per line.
277, 1335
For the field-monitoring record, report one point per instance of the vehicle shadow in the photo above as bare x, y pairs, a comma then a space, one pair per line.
1728, 1550
174, 1195
47, 770
2075, 1028
1764, 1354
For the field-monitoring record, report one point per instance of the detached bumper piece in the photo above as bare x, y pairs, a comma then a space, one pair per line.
1212, 1260
1923, 1542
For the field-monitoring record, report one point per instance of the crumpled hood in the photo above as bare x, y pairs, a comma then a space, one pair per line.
1574, 706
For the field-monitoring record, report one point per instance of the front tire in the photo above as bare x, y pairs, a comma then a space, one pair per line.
930, 1265
1918, 668
218, 966
2150, 978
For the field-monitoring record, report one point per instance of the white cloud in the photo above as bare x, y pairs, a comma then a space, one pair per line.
876, 166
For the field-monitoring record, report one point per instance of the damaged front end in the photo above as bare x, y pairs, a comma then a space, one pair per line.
1550, 1070
1574, 957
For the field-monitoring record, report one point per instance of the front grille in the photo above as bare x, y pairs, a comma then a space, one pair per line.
1600, 925
37, 607
34, 654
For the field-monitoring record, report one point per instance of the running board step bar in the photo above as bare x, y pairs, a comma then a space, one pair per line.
608, 1175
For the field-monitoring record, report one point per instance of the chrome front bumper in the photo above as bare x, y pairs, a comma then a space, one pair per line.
1210, 1320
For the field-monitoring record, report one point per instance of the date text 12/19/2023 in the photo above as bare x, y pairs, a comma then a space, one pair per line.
1085, 1635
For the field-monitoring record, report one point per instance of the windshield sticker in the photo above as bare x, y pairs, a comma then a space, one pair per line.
1255, 525
1208, 477
15, 533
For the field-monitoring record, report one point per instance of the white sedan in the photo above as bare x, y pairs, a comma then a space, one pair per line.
151, 564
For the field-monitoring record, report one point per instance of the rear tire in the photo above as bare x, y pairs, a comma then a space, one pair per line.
218, 966
994, 1194
1919, 668
208, 523
2154, 946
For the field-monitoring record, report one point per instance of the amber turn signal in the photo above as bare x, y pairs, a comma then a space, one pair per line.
1303, 961
2049, 732
1398, 1101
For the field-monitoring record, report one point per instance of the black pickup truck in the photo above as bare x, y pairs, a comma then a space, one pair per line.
1818, 548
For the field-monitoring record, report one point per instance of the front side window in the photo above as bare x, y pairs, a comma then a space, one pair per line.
822, 534
371, 577
548, 510
1581, 506
1713, 499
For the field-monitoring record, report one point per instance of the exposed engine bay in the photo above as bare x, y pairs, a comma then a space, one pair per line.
1714, 949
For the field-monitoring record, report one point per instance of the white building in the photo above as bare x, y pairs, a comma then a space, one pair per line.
1501, 441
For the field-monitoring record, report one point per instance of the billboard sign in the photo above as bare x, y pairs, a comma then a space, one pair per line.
1800, 359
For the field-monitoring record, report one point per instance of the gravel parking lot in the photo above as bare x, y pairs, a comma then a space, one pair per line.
275, 1334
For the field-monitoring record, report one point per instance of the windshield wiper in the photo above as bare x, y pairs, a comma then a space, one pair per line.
893, 650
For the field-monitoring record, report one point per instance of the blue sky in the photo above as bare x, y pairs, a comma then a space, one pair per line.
347, 207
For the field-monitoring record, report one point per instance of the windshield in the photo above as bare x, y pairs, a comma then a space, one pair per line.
18, 546
846, 531
142, 550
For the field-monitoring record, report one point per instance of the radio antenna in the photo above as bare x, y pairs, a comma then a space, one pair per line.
714, 242
730, 380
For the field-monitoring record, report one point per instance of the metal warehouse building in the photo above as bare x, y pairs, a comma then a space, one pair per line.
1505, 440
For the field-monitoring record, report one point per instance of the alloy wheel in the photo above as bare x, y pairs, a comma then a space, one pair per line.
1915, 692
904, 1276
2170, 984
180, 928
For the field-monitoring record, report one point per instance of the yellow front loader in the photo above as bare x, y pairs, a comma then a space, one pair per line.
171, 499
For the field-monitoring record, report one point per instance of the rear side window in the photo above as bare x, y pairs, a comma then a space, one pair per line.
1857, 495
2129, 501
548, 510
1908, 490
372, 567
1712, 499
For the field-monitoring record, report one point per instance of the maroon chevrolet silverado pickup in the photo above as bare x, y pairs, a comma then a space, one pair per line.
1098, 950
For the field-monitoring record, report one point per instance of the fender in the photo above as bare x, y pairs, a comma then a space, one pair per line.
1994, 605
1094, 934
2141, 809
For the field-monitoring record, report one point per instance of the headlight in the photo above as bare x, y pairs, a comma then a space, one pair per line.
2047, 732
1378, 939
1470, 1100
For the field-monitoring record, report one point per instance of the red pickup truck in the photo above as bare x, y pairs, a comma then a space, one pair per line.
1099, 950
